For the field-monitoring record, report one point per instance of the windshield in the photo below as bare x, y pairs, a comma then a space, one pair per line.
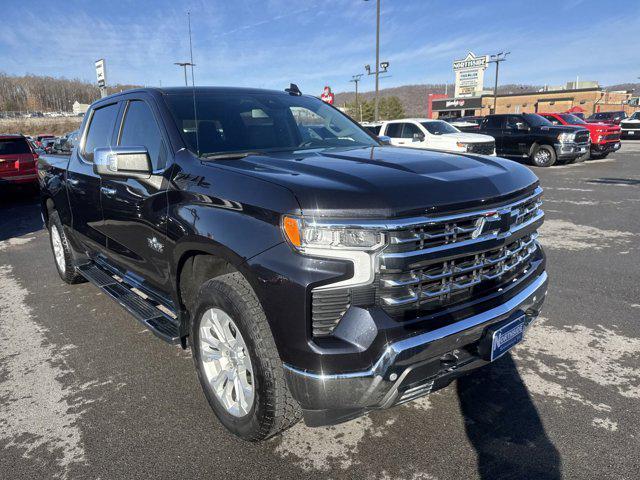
535, 120
439, 127
567, 117
261, 122
635, 116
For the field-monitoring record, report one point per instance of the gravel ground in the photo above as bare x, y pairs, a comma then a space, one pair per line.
85, 392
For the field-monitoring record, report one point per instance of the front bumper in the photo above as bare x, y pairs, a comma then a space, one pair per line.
571, 149
606, 147
408, 368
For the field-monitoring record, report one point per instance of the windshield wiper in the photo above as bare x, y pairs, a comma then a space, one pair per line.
230, 155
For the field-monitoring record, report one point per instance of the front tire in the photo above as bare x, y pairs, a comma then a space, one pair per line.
237, 361
62, 256
599, 156
543, 156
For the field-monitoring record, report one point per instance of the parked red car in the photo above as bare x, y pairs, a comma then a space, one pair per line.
17, 160
611, 118
43, 136
604, 138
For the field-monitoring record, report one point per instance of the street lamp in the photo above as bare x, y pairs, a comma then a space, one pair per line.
355, 79
185, 65
497, 58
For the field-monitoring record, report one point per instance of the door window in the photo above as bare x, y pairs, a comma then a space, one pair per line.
513, 121
409, 129
394, 130
492, 122
140, 129
100, 130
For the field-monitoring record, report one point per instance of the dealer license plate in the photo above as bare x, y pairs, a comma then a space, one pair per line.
504, 338
631, 132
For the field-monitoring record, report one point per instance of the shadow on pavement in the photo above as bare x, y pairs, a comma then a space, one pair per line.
615, 181
503, 425
19, 211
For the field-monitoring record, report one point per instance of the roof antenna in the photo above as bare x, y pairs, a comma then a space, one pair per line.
193, 86
293, 90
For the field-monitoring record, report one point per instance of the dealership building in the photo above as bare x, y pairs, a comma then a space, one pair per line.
470, 98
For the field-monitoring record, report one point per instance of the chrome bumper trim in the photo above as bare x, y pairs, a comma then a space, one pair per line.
378, 386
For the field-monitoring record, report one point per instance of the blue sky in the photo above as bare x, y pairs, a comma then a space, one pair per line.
314, 43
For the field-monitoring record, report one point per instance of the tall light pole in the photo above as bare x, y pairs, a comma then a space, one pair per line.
355, 79
185, 65
497, 58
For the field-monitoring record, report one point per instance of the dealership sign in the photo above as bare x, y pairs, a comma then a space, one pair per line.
101, 74
470, 75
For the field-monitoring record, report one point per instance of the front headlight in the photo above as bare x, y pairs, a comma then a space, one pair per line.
304, 234
566, 137
465, 146
360, 246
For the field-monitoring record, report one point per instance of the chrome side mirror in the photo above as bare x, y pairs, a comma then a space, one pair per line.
124, 162
384, 140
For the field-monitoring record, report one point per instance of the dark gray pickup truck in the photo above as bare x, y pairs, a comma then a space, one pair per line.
313, 271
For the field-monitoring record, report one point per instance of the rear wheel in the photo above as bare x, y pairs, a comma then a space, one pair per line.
543, 156
237, 361
61, 249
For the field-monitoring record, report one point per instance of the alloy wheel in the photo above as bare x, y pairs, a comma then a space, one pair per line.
58, 249
226, 362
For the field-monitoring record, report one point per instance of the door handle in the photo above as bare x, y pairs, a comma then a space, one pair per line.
109, 192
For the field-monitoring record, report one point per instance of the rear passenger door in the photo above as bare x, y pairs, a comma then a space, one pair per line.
135, 209
83, 185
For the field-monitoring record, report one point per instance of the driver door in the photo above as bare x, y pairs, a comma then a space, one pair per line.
135, 209
514, 141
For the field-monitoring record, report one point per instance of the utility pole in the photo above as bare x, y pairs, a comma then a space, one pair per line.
378, 65
497, 58
185, 65
355, 79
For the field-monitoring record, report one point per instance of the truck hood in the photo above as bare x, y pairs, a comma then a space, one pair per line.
561, 128
387, 182
467, 137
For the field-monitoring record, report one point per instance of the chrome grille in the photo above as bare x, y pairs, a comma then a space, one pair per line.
485, 148
444, 281
582, 136
452, 259
612, 137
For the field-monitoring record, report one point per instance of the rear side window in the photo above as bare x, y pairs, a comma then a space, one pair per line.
394, 130
140, 129
14, 146
100, 130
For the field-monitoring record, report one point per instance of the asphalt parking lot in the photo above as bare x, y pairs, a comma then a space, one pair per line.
85, 392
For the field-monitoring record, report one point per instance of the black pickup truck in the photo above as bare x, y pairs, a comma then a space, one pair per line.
312, 270
531, 136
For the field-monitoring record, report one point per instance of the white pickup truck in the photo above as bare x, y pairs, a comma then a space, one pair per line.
435, 135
